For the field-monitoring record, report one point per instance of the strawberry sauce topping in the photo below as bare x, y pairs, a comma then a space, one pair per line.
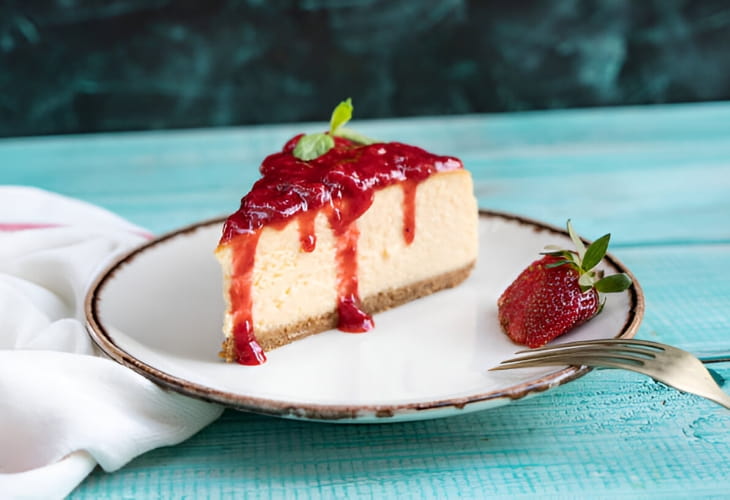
342, 183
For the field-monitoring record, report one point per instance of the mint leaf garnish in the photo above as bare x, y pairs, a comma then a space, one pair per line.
312, 146
355, 136
341, 115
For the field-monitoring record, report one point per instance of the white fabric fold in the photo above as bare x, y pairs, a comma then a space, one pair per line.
63, 406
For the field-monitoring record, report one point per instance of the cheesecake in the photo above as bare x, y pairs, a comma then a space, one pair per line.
328, 241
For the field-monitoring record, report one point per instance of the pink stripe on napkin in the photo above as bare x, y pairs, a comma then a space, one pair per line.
24, 226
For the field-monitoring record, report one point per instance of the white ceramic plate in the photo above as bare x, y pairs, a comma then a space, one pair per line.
159, 311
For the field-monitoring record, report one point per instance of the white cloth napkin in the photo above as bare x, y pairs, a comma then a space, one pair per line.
64, 407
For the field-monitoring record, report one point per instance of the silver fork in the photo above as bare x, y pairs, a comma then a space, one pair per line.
670, 365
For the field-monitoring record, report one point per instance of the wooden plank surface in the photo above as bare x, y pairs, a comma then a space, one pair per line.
658, 178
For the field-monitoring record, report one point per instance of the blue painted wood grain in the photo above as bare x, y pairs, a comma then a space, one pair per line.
658, 178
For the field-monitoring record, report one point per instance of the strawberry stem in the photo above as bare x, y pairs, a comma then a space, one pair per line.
585, 260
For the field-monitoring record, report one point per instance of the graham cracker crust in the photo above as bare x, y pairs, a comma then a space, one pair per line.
373, 304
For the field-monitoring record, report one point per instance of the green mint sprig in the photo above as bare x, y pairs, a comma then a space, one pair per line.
584, 260
312, 146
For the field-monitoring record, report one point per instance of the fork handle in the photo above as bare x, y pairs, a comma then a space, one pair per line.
713, 356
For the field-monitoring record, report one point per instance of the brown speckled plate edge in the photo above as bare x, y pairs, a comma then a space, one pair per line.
347, 413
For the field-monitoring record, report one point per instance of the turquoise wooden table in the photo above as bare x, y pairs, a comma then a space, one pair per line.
657, 178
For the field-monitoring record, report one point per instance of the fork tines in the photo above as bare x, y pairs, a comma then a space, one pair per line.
667, 364
605, 352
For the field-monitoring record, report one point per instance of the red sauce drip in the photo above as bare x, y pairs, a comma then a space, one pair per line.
352, 319
351, 316
248, 351
409, 211
342, 181
307, 238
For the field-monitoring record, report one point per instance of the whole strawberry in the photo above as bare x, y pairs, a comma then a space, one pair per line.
558, 292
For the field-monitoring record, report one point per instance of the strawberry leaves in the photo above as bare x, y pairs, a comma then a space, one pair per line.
585, 259
613, 283
595, 252
576, 240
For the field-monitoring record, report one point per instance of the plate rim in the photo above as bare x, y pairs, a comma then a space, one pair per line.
339, 412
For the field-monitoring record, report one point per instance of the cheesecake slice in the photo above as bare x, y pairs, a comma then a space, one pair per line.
328, 242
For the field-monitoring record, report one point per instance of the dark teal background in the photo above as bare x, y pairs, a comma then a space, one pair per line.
69, 66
